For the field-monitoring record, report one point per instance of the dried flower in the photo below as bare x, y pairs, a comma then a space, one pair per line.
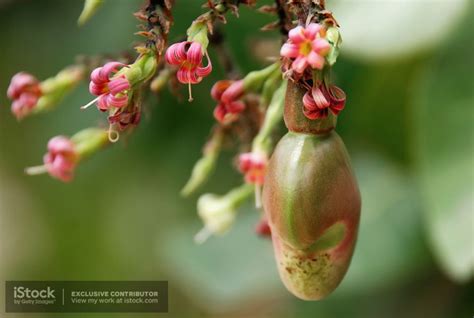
319, 100
126, 118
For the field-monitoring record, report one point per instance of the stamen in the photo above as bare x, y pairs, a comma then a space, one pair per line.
258, 196
202, 235
32, 171
90, 103
190, 99
114, 135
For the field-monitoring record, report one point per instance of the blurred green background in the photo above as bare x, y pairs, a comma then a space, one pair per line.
407, 69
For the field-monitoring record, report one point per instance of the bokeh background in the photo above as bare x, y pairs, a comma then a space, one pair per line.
407, 69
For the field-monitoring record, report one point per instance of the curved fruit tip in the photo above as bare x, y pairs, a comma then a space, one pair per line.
314, 273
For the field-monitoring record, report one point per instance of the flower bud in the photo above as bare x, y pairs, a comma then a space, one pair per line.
142, 69
218, 212
334, 38
160, 81
30, 96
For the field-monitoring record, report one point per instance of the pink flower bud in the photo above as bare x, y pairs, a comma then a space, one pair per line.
24, 91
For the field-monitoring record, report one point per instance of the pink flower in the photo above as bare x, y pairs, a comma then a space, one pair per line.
112, 90
253, 165
25, 92
61, 159
306, 46
319, 100
227, 94
263, 228
188, 57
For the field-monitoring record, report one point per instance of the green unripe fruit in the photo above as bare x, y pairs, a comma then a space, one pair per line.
312, 203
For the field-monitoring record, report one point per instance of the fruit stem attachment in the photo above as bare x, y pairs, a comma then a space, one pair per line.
296, 121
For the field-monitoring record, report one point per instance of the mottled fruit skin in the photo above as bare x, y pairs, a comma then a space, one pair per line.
312, 203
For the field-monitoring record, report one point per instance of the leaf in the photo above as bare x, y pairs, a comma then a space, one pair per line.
391, 29
443, 113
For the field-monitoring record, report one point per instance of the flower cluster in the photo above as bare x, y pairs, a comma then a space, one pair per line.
25, 91
110, 87
253, 165
227, 93
306, 47
320, 99
188, 57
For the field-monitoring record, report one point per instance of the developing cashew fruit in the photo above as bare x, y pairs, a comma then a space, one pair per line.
312, 202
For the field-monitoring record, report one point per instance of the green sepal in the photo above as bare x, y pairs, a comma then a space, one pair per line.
89, 140
197, 32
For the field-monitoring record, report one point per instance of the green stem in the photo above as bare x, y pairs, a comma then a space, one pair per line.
239, 195
205, 166
255, 80
89, 141
262, 142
